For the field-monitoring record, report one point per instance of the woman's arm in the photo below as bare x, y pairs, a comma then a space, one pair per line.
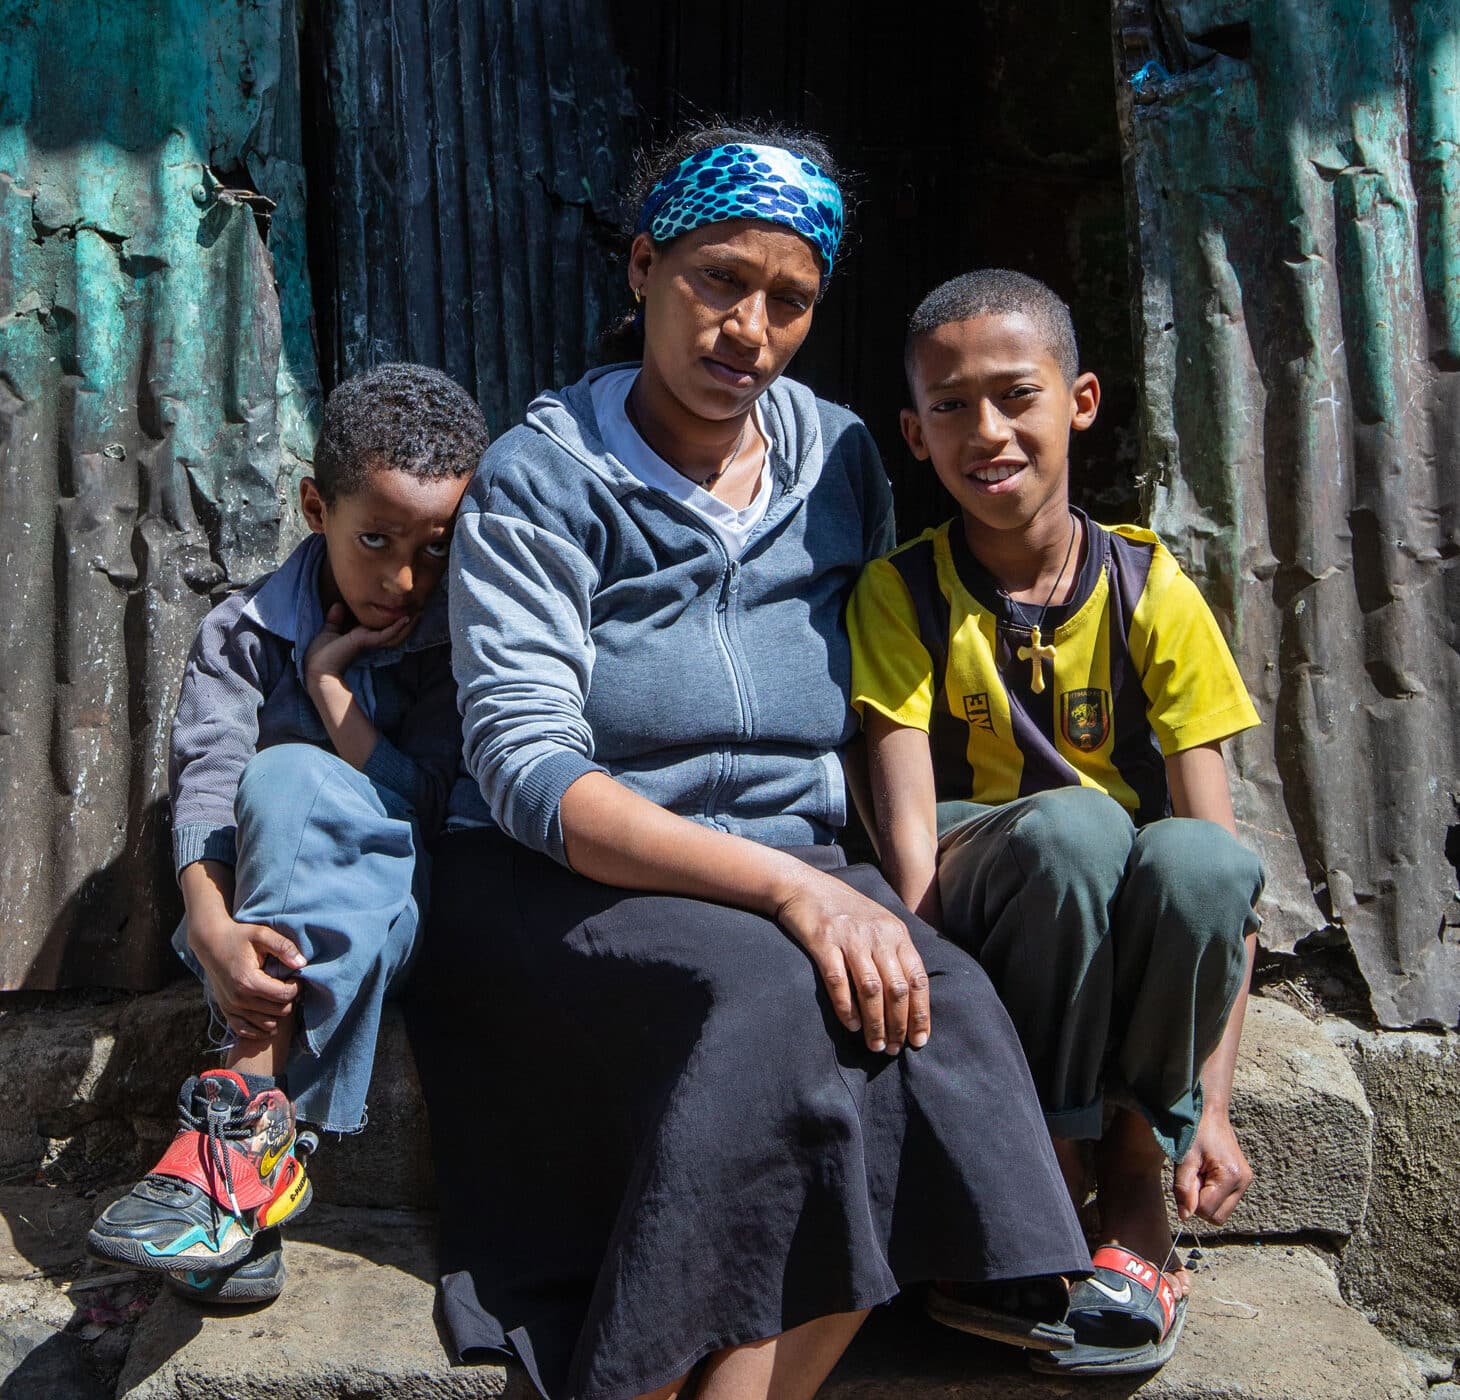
1211, 1178
522, 590
904, 808
873, 974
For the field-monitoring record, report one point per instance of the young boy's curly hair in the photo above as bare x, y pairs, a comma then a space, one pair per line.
403, 417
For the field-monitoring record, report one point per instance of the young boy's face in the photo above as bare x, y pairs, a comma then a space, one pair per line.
993, 412
385, 544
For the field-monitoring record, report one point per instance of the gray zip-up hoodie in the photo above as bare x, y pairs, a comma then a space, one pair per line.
597, 624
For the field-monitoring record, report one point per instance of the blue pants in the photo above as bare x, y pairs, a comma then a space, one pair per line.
1117, 952
333, 861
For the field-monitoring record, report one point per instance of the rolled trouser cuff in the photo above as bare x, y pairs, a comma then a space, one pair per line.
1172, 1125
1085, 1123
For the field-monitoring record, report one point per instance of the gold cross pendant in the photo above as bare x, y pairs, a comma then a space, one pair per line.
1036, 654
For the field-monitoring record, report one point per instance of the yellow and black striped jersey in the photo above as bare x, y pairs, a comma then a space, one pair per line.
1139, 671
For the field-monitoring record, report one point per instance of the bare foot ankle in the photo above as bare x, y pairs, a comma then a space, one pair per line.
1130, 1175
1070, 1155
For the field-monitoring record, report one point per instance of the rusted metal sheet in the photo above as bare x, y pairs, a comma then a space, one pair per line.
472, 151
1293, 177
157, 387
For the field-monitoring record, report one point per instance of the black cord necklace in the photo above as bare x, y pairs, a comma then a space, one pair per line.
708, 483
1038, 651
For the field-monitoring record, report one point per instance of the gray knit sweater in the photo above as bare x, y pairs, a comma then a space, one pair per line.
599, 625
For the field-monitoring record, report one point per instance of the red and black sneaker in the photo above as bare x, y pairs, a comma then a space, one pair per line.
259, 1279
235, 1167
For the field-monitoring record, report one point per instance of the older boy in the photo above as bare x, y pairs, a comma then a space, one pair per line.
315, 739
1045, 701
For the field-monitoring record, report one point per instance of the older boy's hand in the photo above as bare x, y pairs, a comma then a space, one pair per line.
872, 971
233, 957
1211, 1178
334, 649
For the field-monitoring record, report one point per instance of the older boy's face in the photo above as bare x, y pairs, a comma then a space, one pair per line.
993, 413
386, 543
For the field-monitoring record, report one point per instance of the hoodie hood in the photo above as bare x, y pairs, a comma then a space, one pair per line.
788, 412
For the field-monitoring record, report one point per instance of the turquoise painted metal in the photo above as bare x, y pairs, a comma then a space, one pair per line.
1294, 187
157, 400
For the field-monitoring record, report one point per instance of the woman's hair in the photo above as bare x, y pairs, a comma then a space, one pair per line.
624, 340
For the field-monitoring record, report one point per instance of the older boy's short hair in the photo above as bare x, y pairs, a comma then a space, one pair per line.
996, 291
402, 417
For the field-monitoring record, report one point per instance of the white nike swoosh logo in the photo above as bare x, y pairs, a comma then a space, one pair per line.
1121, 1295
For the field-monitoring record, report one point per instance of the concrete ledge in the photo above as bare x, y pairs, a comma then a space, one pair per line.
356, 1320
1265, 1323
359, 1324
1403, 1266
95, 1087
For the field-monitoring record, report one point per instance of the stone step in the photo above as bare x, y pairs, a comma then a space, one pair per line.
1266, 1323
94, 1087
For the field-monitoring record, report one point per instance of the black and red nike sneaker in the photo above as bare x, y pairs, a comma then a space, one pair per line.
236, 1167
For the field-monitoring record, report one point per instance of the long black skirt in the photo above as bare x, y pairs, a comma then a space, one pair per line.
653, 1139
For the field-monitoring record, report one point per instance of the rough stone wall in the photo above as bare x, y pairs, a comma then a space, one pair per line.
157, 386
1403, 1264
1291, 175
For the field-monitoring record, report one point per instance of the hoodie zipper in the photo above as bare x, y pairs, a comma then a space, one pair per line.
724, 599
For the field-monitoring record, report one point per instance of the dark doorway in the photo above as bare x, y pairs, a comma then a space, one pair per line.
984, 134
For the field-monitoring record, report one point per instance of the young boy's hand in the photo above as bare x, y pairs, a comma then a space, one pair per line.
872, 971
334, 649
233, 956
1211, 1178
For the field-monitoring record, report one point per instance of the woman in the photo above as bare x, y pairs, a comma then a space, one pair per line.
701, 1094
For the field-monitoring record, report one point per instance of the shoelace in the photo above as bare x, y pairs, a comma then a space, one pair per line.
219, 1126
1194, 1258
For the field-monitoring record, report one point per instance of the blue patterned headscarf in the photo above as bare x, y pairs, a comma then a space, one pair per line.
747, 182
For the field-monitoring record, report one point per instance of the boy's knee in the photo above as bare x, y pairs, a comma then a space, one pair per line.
273, 773
1200, 868
1073, 833
280, 786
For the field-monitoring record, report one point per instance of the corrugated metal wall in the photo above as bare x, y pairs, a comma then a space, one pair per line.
1294, 179
472, 151
156, 388
1299, 294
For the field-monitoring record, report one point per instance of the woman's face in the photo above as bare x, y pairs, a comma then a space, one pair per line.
725, 308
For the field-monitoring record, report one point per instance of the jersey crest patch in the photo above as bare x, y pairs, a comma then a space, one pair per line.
976, 711
1085, 718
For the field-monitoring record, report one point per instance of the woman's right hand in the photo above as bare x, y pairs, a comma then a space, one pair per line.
872, 971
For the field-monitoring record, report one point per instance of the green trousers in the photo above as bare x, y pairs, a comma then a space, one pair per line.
1118, 953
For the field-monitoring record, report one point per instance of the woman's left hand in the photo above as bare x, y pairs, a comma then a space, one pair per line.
872, 971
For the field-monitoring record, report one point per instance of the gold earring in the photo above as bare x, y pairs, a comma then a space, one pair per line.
638, 295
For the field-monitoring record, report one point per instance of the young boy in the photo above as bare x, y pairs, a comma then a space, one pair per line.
1045, 701
315, 740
